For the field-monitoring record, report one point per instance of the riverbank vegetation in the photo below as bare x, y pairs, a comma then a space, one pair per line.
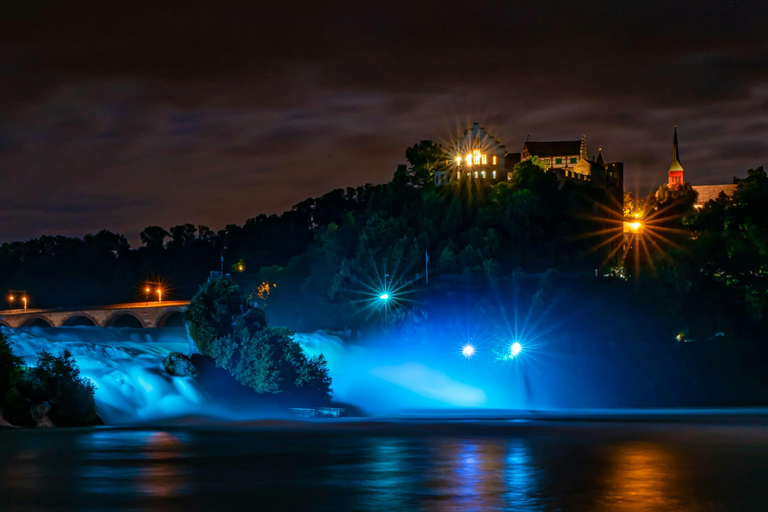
52, 390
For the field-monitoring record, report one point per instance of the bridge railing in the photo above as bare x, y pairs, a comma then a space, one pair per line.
128, 305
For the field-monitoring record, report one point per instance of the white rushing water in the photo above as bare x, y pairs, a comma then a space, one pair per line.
132, 386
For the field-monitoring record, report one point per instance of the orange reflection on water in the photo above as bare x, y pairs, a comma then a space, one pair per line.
161, 476
646, 477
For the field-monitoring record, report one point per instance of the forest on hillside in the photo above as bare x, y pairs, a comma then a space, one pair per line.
699, 273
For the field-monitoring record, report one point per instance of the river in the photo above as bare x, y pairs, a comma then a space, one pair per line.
703, 464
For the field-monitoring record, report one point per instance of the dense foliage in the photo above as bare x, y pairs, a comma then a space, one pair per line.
54, 380
215, 307
10, 368
266, 359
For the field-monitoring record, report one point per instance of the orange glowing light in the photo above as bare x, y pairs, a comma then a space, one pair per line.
633, 226
634, 236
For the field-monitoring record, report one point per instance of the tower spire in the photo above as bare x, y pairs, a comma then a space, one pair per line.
675, 168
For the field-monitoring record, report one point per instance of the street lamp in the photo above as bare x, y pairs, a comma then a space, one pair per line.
14, 294
160, 295
147, 290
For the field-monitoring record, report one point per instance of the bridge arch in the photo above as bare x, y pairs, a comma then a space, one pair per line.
124, 319
173, 317
36, 321
79, 319
3, 323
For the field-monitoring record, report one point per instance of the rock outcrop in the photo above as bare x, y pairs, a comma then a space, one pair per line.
179, 365
4, 423
39, 413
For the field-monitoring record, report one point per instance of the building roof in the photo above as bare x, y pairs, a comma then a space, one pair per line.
675, 165
511, 159
585, 166
554, 148
709, 193
599, 159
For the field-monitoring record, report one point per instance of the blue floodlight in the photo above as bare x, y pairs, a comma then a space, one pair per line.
468, 351
384, 296
515, 349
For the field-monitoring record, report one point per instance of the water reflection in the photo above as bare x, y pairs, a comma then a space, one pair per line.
134, 462
25, 470
523, 477
389, 474
646, 477
163, 478
468, 475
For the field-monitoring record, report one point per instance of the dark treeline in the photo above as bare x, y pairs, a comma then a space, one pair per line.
315, 266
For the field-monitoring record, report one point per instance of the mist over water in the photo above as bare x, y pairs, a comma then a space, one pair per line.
132, 386
394, 375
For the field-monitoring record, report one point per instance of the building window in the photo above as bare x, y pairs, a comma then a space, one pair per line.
485, 159
558, 160
494, 163
573, 160
482, 174
476, 157
494, 172
469, 158
475, 174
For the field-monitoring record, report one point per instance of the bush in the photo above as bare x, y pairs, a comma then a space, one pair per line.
272, 362
211, 312
57, 380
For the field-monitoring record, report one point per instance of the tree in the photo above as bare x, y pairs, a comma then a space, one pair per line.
424, 159
153, 237
10, 367
212, 312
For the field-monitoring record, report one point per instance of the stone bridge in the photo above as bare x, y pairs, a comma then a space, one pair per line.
136, 314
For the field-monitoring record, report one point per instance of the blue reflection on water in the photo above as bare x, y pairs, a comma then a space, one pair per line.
388, 474
522, 477
468, 469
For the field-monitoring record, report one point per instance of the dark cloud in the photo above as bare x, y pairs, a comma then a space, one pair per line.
167, 112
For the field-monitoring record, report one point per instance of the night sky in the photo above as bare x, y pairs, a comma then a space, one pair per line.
121, 115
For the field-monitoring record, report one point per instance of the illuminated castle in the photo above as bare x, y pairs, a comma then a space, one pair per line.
477, 155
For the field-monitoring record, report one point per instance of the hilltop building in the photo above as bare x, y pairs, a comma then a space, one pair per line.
675, 168
676, 179
709, 193
477, 155
558, 154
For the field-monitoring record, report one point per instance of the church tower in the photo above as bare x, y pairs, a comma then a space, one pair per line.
675, 168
